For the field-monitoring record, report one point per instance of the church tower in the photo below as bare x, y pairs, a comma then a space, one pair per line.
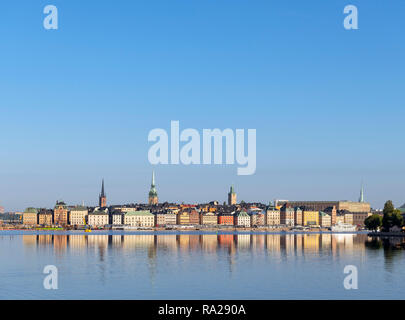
102, 199
231, 197
153, 196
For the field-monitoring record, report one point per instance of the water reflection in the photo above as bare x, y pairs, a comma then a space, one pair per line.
281, 246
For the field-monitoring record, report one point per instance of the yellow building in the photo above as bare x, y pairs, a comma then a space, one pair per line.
183, 218
310, 218
30, 216
45, 218
325, 220
273, 217
209, 219
349, 217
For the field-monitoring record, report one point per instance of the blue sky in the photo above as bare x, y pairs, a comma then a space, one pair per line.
77, 103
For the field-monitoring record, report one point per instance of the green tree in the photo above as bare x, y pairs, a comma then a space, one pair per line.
392, 217
373, 222
388, 207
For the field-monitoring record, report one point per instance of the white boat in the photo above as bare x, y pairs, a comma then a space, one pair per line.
343, 227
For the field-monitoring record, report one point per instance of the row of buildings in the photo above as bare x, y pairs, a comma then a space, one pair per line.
280, 213
188, 215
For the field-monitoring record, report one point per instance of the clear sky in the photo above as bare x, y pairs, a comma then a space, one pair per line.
77, 103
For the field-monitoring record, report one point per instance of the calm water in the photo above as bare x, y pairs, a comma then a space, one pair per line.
163, 265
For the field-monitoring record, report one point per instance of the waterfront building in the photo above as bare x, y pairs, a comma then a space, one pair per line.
226, 219
332, 212
102, 199
194, 217
98, 218
45, 217
310, 218
140, 218
242, 219
209, 218
349, 217
78, 216
340, 218
30, 217
257, 218
231, 197
153, 196
273, 216
160, 219
325, 220
298, 216
60, 213
323, 205
183, 218
116, 218
171, 218
287, 215
359, 217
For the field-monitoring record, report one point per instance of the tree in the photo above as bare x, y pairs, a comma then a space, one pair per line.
373, 222
392, 217
388, 207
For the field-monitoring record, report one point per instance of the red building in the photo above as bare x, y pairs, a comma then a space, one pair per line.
226, 219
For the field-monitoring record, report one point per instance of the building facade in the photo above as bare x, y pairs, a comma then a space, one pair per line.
78, 216
226, 219
141, 218
183, 218
194, 217
298, 216
209, 218
60, 213
98, 218
310, 218
325, 220
287, 216
273, 217
242, 219
30, 217
45, 217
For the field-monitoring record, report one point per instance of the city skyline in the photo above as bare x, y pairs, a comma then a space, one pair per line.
78, 103
103, 201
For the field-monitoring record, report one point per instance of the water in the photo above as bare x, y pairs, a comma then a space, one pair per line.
194, 265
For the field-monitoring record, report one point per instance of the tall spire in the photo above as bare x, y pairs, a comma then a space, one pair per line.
153, 196
361, 198
102, 200
102, 194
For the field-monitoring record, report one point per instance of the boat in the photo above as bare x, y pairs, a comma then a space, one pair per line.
343, 227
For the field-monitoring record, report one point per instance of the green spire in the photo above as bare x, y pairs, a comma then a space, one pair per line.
153, 192
361, 199
232, 190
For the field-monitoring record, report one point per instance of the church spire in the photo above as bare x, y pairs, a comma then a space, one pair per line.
102, 200
102, 194
153, 196
361, 198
